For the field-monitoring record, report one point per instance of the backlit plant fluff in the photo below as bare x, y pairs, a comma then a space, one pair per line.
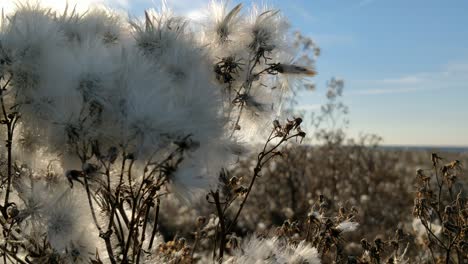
103, 116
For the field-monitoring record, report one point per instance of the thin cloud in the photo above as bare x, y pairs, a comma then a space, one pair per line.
405, 80
303, 13
380, 91
308, 107
452, 75
366, 2
333, 39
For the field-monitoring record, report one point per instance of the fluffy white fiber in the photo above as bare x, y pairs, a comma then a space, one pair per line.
273, 251
142, 84
71, 74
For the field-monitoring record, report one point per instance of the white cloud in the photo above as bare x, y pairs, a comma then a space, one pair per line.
196, 14
191, 8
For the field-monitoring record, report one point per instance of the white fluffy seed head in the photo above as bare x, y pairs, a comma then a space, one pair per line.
142, 85
64, 220
347, 226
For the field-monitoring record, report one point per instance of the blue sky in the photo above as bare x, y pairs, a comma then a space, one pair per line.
404, 62
405, 65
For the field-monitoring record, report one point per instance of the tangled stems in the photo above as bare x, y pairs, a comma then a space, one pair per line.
270, 150
136, 192
247, 85
9, 120
433, 202
264, 157
79, 106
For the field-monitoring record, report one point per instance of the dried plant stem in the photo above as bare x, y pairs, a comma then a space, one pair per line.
430, 247
440, 185
262, 159
93, 213
12, 255
115, 204
145, 224
195, 243
106, 235
9, 166
222, 234
247, 85
155, 225
119, 232
9, 120
130, 232
441, 244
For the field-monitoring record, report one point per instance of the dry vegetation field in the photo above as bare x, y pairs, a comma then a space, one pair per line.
152, 140
311, 190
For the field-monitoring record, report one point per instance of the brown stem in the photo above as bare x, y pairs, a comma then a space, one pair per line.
428, 229
9, 165
109, 249
119, 232
10, 124
155, 227
114, 204
247, 86
11, 254
257, 171
222, 241
148, 207
133, 222
195, 244
88, 193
